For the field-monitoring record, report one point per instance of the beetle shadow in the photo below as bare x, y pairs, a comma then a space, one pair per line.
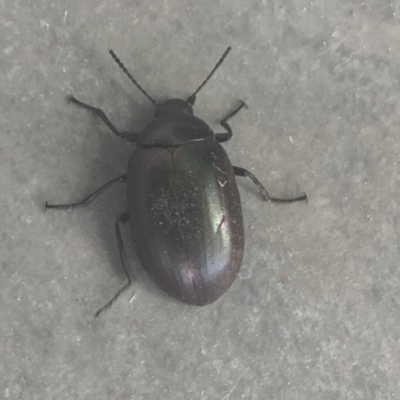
111, 158
113, 203
139, 276
130, 112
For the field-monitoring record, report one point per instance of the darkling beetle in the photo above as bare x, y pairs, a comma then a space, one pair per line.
183, 201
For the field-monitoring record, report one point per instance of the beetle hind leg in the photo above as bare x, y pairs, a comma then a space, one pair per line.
224, 137
263, 191
123, 218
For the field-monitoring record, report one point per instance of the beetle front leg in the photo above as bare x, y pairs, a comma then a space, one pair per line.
264, 193
87, 200
224, 137
129, 136
123, 218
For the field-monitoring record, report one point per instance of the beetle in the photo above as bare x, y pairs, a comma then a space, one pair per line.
183, 201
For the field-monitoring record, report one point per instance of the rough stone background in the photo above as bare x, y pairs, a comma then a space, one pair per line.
315, 312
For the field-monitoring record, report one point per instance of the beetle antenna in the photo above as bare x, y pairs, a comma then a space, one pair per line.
192, 98
122, 66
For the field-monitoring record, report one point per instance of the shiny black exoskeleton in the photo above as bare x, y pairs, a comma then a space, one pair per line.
183, 201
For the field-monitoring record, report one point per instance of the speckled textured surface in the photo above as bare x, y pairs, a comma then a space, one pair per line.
315, 312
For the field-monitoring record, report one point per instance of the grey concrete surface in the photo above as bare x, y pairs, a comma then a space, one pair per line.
315, 312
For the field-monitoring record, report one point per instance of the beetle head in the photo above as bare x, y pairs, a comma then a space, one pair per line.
174, 106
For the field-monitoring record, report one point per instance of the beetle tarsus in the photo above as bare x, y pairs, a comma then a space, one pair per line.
303, 197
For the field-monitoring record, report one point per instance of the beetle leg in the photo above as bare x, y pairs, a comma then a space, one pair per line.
224, 137
264, 193
124, 260
129, 136
87, 200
